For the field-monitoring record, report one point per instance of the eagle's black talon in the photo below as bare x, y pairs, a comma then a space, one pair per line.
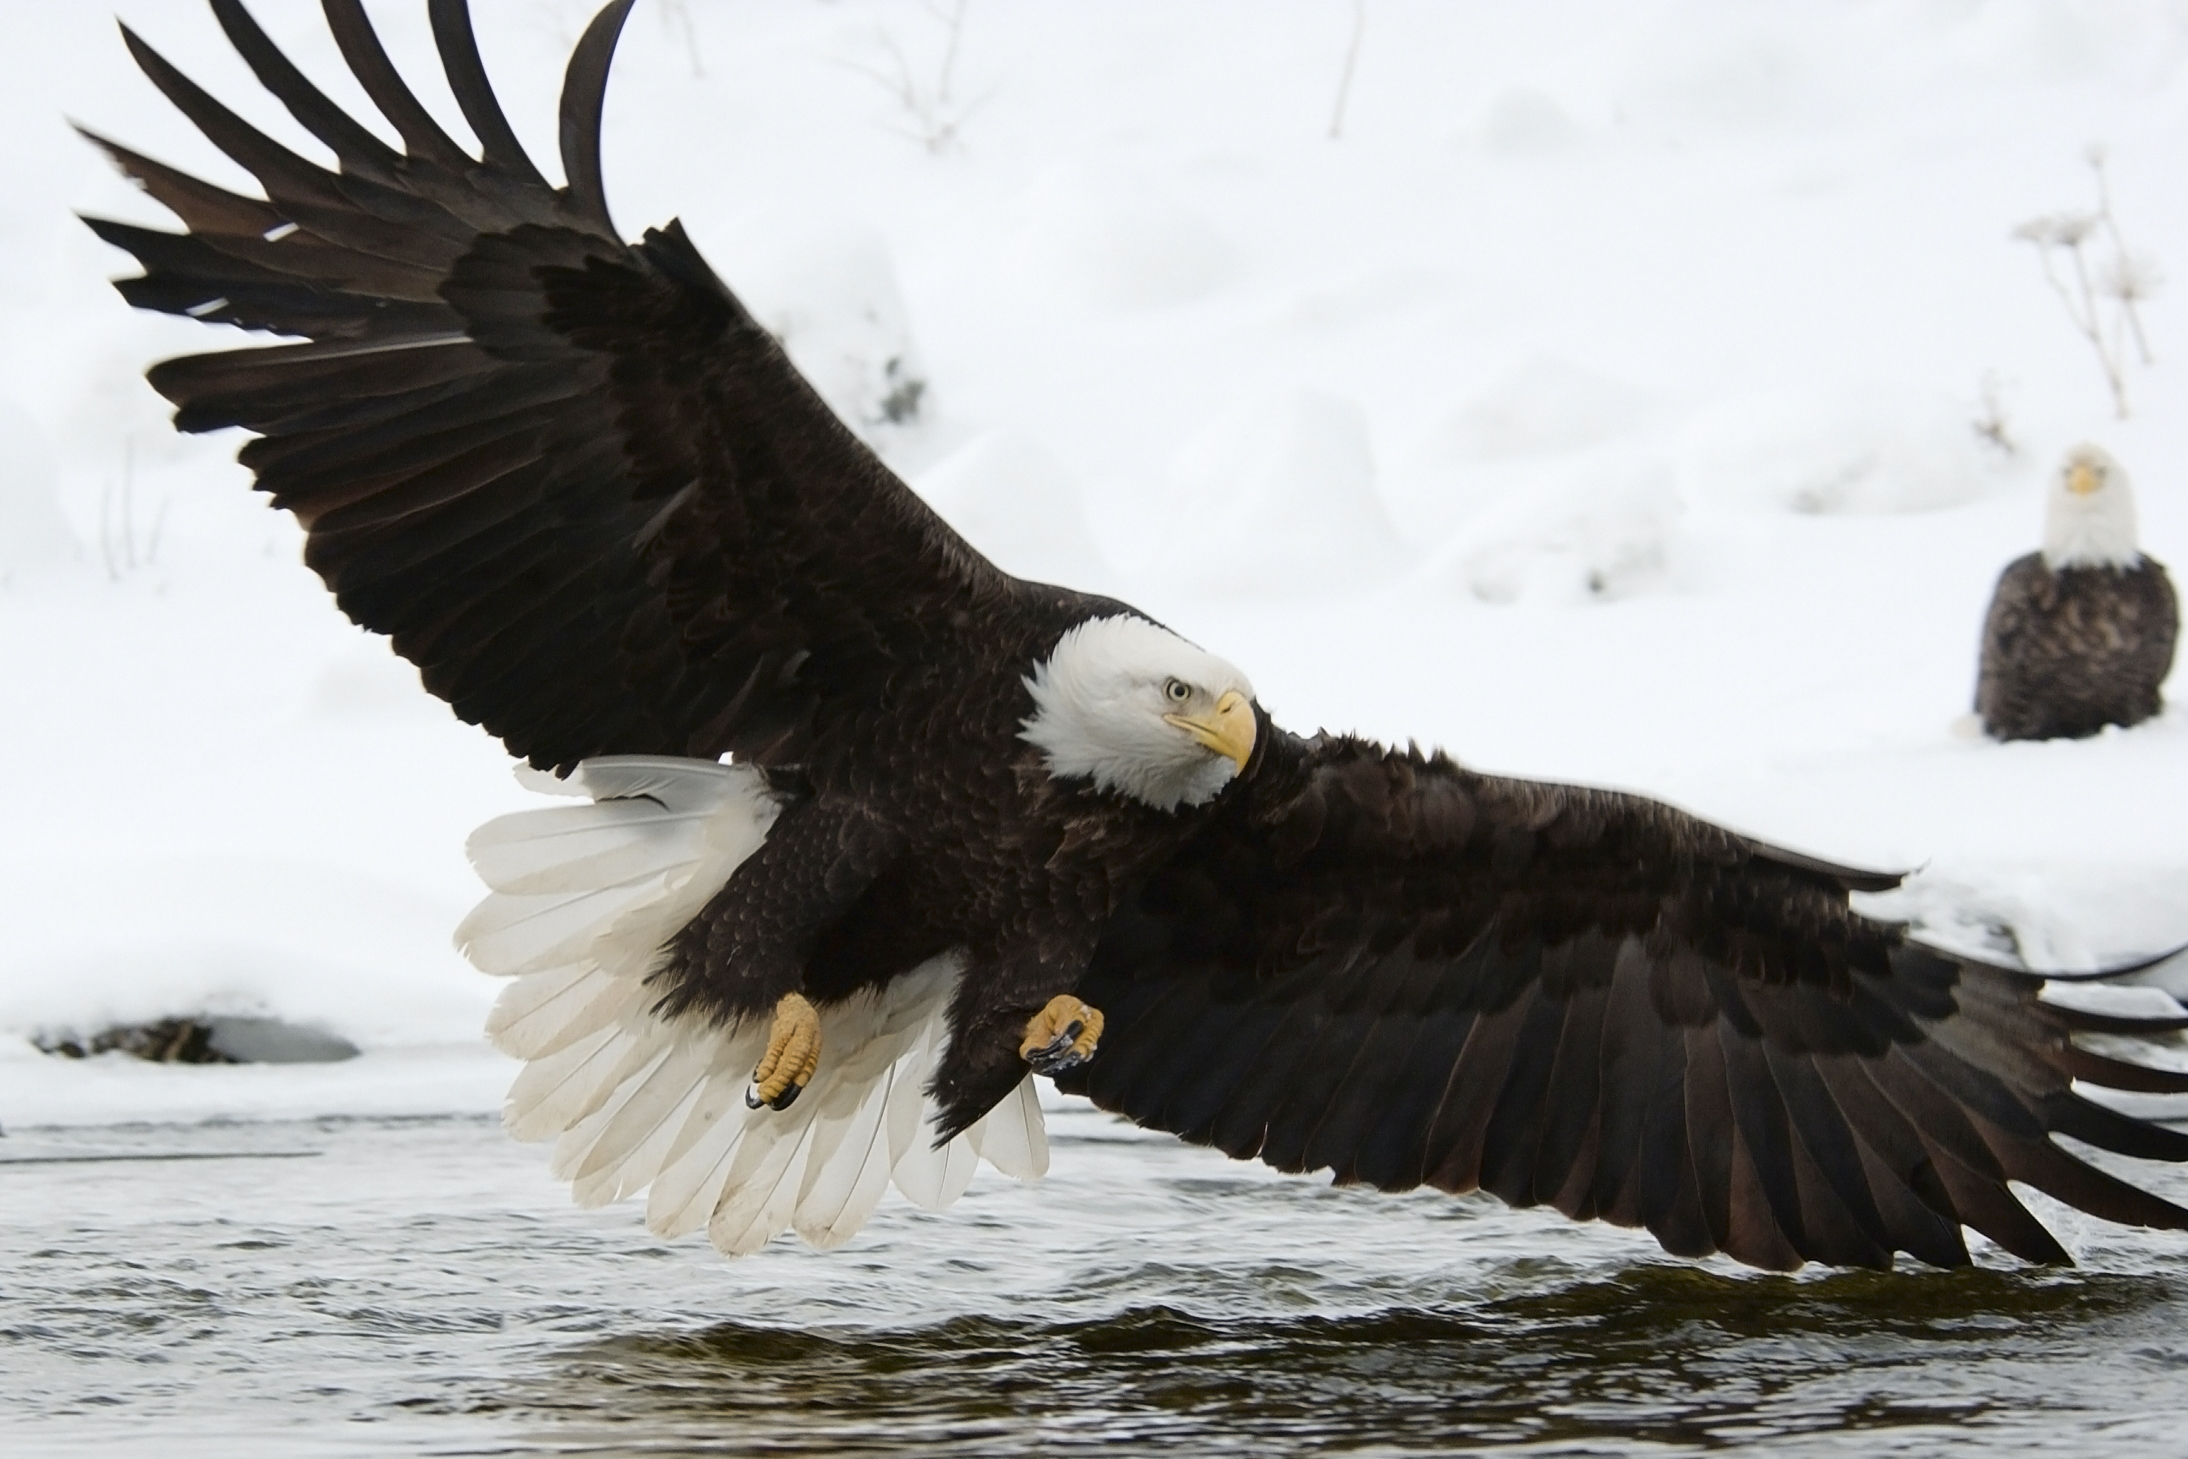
1054, 1064
1058, 1054
783, 1100
1061, 1036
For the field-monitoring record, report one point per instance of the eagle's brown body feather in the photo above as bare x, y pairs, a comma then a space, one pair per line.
2067, 651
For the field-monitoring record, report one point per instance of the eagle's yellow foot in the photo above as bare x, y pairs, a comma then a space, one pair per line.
793, 1053
1061, 1036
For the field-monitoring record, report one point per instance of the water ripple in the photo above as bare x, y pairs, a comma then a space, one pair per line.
425, 1288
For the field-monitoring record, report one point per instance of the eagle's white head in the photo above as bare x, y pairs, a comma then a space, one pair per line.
2089, 519
1139, 710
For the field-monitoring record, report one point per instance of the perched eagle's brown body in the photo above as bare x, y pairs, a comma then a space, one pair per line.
592, 500
2069, 650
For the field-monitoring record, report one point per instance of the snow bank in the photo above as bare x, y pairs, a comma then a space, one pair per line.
1544, 407
136, 938
1823, 452
1118, 242
1547, 485
1010, 496
1523, 121
1606, 416
1277, 496
1585, 527
33, 533
113, 1089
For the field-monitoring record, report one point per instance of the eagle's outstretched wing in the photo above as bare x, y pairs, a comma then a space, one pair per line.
1384, 965
572, 478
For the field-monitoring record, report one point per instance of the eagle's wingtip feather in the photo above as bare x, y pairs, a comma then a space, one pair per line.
584, 93
466, 72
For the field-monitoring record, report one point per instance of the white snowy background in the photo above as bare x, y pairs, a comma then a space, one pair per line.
1599, 406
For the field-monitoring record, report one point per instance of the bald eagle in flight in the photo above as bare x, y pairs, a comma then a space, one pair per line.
870, 832
2079, 635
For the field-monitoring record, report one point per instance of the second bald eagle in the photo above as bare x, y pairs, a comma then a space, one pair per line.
2080, 634
977, 828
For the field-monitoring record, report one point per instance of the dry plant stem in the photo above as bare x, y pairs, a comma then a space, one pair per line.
956, 23
2126, 282
2092, 324
1990, 422
2082, 313
935, 126
118, 547
1352, 60
2123, 278
677, 14
2119, 248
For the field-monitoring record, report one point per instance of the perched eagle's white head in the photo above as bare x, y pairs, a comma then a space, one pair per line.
1137, 709
2089, 520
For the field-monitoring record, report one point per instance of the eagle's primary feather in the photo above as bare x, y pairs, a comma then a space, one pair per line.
976, 824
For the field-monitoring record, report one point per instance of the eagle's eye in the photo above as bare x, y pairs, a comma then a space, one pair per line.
1178, 691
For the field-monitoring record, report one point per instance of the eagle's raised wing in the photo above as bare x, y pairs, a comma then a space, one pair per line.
1384, 965
572, 478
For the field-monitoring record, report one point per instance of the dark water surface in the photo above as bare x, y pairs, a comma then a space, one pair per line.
423, 1287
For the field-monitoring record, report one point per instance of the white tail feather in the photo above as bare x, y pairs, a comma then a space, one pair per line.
1015, 1137
842, 1194
507, 934
578, 1081
556, 992
583, 898
616, 1178
935, 1177
689, 1184
614, 1095
759, 1205
574, 848
533, 1019
648, 1119
541, 1101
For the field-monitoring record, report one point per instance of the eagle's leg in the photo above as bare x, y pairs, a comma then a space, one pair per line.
746, 952
1008, 1014
793, 1053
1061, 1036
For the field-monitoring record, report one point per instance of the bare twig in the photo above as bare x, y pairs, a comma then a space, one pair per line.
677, 15
955, 21
110, 550
1352, 60
119, 548
2124, 278
2130, 280
935, 118
1991, 426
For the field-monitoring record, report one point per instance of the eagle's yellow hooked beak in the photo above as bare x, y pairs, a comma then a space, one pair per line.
1228, 729
2082, 479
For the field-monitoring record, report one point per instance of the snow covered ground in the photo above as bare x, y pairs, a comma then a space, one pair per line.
1599, 405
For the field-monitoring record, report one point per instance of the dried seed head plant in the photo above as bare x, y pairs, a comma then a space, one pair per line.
2103, 295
